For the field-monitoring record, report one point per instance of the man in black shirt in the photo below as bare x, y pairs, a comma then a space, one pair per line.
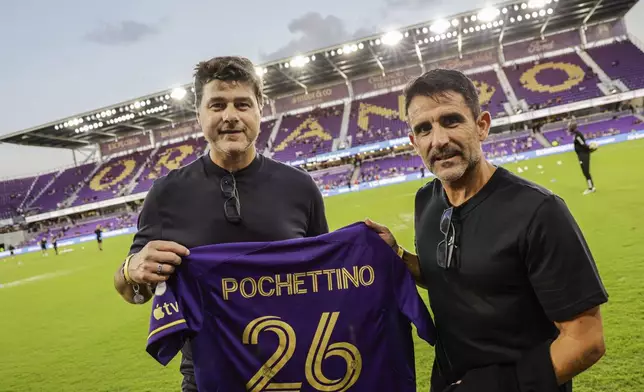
583, 150
231, 194
43, 246
54, 243
512, 284
99, 237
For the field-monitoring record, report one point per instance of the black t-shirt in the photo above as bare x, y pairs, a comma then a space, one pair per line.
278, 202
521, 264
99, 234
43, 243
580, 143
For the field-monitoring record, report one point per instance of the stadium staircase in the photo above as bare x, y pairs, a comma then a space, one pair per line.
344, 126
72, 198
28, 192
356, 175
509, 91
606, 84
133, 182
271, 138
44, 189
541, 139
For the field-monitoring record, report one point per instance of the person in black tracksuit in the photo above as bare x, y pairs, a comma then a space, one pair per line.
583, 151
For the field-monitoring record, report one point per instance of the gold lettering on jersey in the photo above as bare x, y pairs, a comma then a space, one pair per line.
300, 282
314, 279
288, 284
260, 286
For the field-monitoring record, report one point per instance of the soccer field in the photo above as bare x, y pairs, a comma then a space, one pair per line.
64, 328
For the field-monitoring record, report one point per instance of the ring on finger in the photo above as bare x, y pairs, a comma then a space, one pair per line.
159, 269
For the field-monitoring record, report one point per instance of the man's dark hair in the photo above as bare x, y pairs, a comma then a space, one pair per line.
438, 82
229, 68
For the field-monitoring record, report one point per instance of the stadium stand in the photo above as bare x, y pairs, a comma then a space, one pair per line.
308, 134
12, 193
491, 94
377, 118
614, 126
62, 188
333, 178
623, 61
553, 81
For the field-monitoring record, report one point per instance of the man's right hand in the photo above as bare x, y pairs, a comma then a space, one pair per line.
156, 262
383, 232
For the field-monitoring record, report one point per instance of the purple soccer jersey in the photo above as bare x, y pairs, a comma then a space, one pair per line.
329, 313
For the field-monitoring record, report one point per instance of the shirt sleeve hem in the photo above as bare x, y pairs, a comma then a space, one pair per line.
569, 312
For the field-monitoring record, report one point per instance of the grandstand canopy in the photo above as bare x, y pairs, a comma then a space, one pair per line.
418, 44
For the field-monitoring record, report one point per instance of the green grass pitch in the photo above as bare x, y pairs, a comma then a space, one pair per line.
69, 331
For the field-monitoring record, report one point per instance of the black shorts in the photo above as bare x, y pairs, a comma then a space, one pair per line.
99, 240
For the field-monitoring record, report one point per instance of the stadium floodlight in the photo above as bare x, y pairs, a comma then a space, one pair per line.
542, 12
524, 6
377, 41
550, 11
488, 14
360, 46
537, 3
178, 93
440, 26
392, 38
454, 22
504, 10
425, 30
535, 14
299, 61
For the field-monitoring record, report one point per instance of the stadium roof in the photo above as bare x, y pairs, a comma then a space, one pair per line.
421, 43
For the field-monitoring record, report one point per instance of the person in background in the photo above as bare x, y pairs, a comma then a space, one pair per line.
583, 151
99, 237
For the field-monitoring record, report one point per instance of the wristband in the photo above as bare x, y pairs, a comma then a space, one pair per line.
400, 251
126, 273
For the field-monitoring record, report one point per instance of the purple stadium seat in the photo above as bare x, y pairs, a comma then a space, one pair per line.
62, 188
307, 134
110, 178
12, 193
491, 94
594, 130
170, 157
623, 61
376, 119
554, 81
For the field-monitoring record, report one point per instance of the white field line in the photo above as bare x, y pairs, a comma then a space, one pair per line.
37, 278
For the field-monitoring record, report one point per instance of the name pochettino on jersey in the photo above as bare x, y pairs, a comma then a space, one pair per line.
329, 313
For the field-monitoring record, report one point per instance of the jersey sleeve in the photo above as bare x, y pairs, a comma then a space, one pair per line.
560, 266
409, 302
176, 315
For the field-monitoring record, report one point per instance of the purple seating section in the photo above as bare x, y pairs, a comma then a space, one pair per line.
63, 187
510, 146
491, 94
265, 130
41, 182
390, 167
376, 118
307, 134
12, 193
553, 81
328, 181
62, 232
110, 178
168, 158
623, 61
595, 130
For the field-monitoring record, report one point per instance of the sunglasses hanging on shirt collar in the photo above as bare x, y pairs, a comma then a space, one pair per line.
232, 206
